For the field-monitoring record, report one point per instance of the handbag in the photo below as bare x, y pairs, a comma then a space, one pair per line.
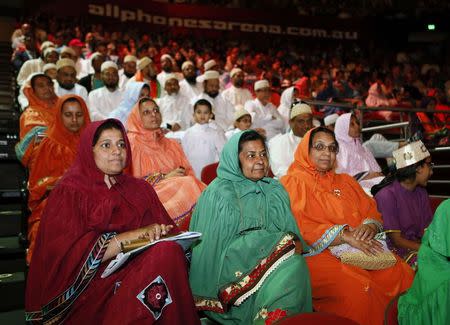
353, 256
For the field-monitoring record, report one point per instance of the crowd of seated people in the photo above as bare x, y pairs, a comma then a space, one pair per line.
115, 139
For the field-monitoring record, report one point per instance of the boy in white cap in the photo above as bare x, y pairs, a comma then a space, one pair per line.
66, 78
201, 143
237, 94
189, 86
175, 108
282, 147
242, 121
264, 113
128, 70
104, 100
222, 109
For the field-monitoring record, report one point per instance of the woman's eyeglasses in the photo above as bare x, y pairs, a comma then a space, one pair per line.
332, 148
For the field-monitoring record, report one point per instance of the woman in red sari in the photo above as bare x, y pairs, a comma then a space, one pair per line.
90, 212
53, 157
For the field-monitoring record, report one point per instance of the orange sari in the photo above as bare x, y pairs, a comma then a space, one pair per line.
51, 159
322, 206
155, 155
39, 113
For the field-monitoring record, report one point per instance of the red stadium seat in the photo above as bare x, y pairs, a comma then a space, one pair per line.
316, 319
209, 172
434, 202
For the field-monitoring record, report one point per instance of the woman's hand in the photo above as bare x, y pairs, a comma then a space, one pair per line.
365, 232
180, 171
368, 247
298, 247
373, 175
154, 232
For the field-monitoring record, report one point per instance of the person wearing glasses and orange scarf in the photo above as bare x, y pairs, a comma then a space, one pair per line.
332, 209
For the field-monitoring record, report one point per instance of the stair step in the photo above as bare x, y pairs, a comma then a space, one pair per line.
12, 291
10, 247
13, 317
10, 220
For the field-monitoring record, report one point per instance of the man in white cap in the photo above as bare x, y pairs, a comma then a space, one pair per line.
330, 120
80, 66
222, 109
264, 113
213, 65
189, 86
66, 78
104, 100
48, 55
237, 94
94, 80
128, 70
146, 72
175, 108
166, 67
282, 147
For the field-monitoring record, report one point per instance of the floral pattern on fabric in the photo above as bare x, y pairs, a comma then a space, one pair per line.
155, 297
265, 317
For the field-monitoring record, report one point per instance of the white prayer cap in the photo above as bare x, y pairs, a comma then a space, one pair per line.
330, 119
46, 44
186, 64
209, 64
142, 63
261, 84
166, 57
170, 76
69, 50
48, 66
234, 72
410, 154
240, 111
107, 65
209, 75
65, 63
95, 55
49, 50
300, 108
130, 58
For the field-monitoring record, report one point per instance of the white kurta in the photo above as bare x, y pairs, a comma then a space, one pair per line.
82, 67
175, 109
190, 91
266, 117
76, 90
102, 102
237, 96
29, 67
281, 152
223, 110
202, 146
123, 79
232, 132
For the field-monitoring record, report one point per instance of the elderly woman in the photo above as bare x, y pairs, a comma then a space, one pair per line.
91, 211
353, 158
332, 209
247, 267
54, 155
426, 303
162, 162
404, 203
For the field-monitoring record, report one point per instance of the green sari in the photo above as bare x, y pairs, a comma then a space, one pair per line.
244, 269
428, 299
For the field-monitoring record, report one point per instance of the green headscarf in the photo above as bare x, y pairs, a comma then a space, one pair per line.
428, 299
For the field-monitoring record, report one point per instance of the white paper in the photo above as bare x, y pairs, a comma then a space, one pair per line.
185, 240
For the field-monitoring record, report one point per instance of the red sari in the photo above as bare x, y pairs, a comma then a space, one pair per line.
81, 217
54, 155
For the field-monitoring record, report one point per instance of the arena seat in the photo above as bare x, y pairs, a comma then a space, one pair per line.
209, 172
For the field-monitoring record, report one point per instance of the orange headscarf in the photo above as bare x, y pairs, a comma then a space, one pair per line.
38, 113
320, 202
152, 152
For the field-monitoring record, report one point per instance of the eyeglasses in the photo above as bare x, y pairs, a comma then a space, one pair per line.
332, 148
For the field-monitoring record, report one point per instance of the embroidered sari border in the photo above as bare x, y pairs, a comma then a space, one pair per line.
327, 238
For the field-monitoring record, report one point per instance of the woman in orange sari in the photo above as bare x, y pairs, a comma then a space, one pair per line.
53, 157
39, 114
162, 162
332, 209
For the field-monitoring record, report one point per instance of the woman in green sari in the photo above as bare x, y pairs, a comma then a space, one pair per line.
427, 302
248, 266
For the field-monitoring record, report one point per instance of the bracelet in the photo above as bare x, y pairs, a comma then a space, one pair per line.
341, 233
118, 243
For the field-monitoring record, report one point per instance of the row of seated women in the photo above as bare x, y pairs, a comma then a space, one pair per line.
263, 253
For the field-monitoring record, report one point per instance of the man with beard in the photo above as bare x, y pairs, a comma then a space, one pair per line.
166, 67
128, 71
189, 86
223, 110
146, 72
237, 94
94, 80
104, 100
66, 78
265, 114
282, 147
48, 55
175, 108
